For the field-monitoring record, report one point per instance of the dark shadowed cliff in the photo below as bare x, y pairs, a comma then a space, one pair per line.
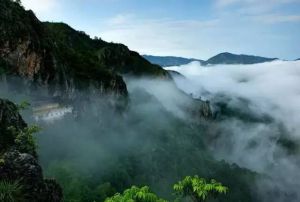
18, 160
55, 54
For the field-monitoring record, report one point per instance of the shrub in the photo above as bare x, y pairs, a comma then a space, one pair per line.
198, 188
10, 191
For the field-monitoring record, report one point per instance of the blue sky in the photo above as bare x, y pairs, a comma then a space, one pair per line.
189, 28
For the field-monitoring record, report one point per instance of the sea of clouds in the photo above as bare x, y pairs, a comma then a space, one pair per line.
271, 89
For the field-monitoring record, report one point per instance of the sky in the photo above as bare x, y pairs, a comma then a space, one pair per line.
187, 28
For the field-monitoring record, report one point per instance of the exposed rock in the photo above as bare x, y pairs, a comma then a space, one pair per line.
63, 59
28, 62
33, 51
22, 167
9, 116
205, 109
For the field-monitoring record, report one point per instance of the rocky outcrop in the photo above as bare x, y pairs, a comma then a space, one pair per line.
63, 59
65, 62
34, 51
16, 165
9, 117
205, 110
27, 62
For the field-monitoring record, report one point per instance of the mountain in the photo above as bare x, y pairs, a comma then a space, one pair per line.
167, 61
229, 58
57, 56
222, 58
298, 59
19, 165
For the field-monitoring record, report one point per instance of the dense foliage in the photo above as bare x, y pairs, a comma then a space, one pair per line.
21, 177
64, 56
96, 53
24, 139
136, 149
194, 187
198, 188
136, 194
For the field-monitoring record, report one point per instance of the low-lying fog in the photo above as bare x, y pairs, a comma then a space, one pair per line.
268, 89
155, 142
273, 87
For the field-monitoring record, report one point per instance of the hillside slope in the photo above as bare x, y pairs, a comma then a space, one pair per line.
167, 61
229, 58
56, 55
18, 160
222, 58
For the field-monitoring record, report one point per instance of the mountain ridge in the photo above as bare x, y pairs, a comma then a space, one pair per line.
166, 61
221, 58
230, 58
56, 55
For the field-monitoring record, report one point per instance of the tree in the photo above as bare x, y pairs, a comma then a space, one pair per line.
18, 2
135, 194
198, 189
24, 140
23, 105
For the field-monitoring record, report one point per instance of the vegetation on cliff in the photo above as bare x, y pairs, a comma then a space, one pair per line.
55, 53
21, 177
99, 153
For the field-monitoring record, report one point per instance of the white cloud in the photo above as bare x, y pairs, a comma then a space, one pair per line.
120, 19
270, 3
272, 19
269, 88
273, 87
252, 7
41, 7
225, 3
159, 36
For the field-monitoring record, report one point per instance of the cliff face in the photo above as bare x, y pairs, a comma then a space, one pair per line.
57, 55
34, 51
18, 159
63, 60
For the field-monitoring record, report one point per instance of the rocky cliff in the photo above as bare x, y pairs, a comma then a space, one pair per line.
18, 160
63, 59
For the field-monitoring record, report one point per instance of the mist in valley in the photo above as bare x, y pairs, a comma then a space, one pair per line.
152, 138
259, 128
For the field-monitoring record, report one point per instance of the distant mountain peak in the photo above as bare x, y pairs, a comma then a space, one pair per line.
221, 58
167, 61
230, 58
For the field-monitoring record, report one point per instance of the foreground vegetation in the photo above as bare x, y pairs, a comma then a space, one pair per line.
190, 188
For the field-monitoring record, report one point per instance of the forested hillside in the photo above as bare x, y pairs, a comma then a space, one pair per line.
110, 122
